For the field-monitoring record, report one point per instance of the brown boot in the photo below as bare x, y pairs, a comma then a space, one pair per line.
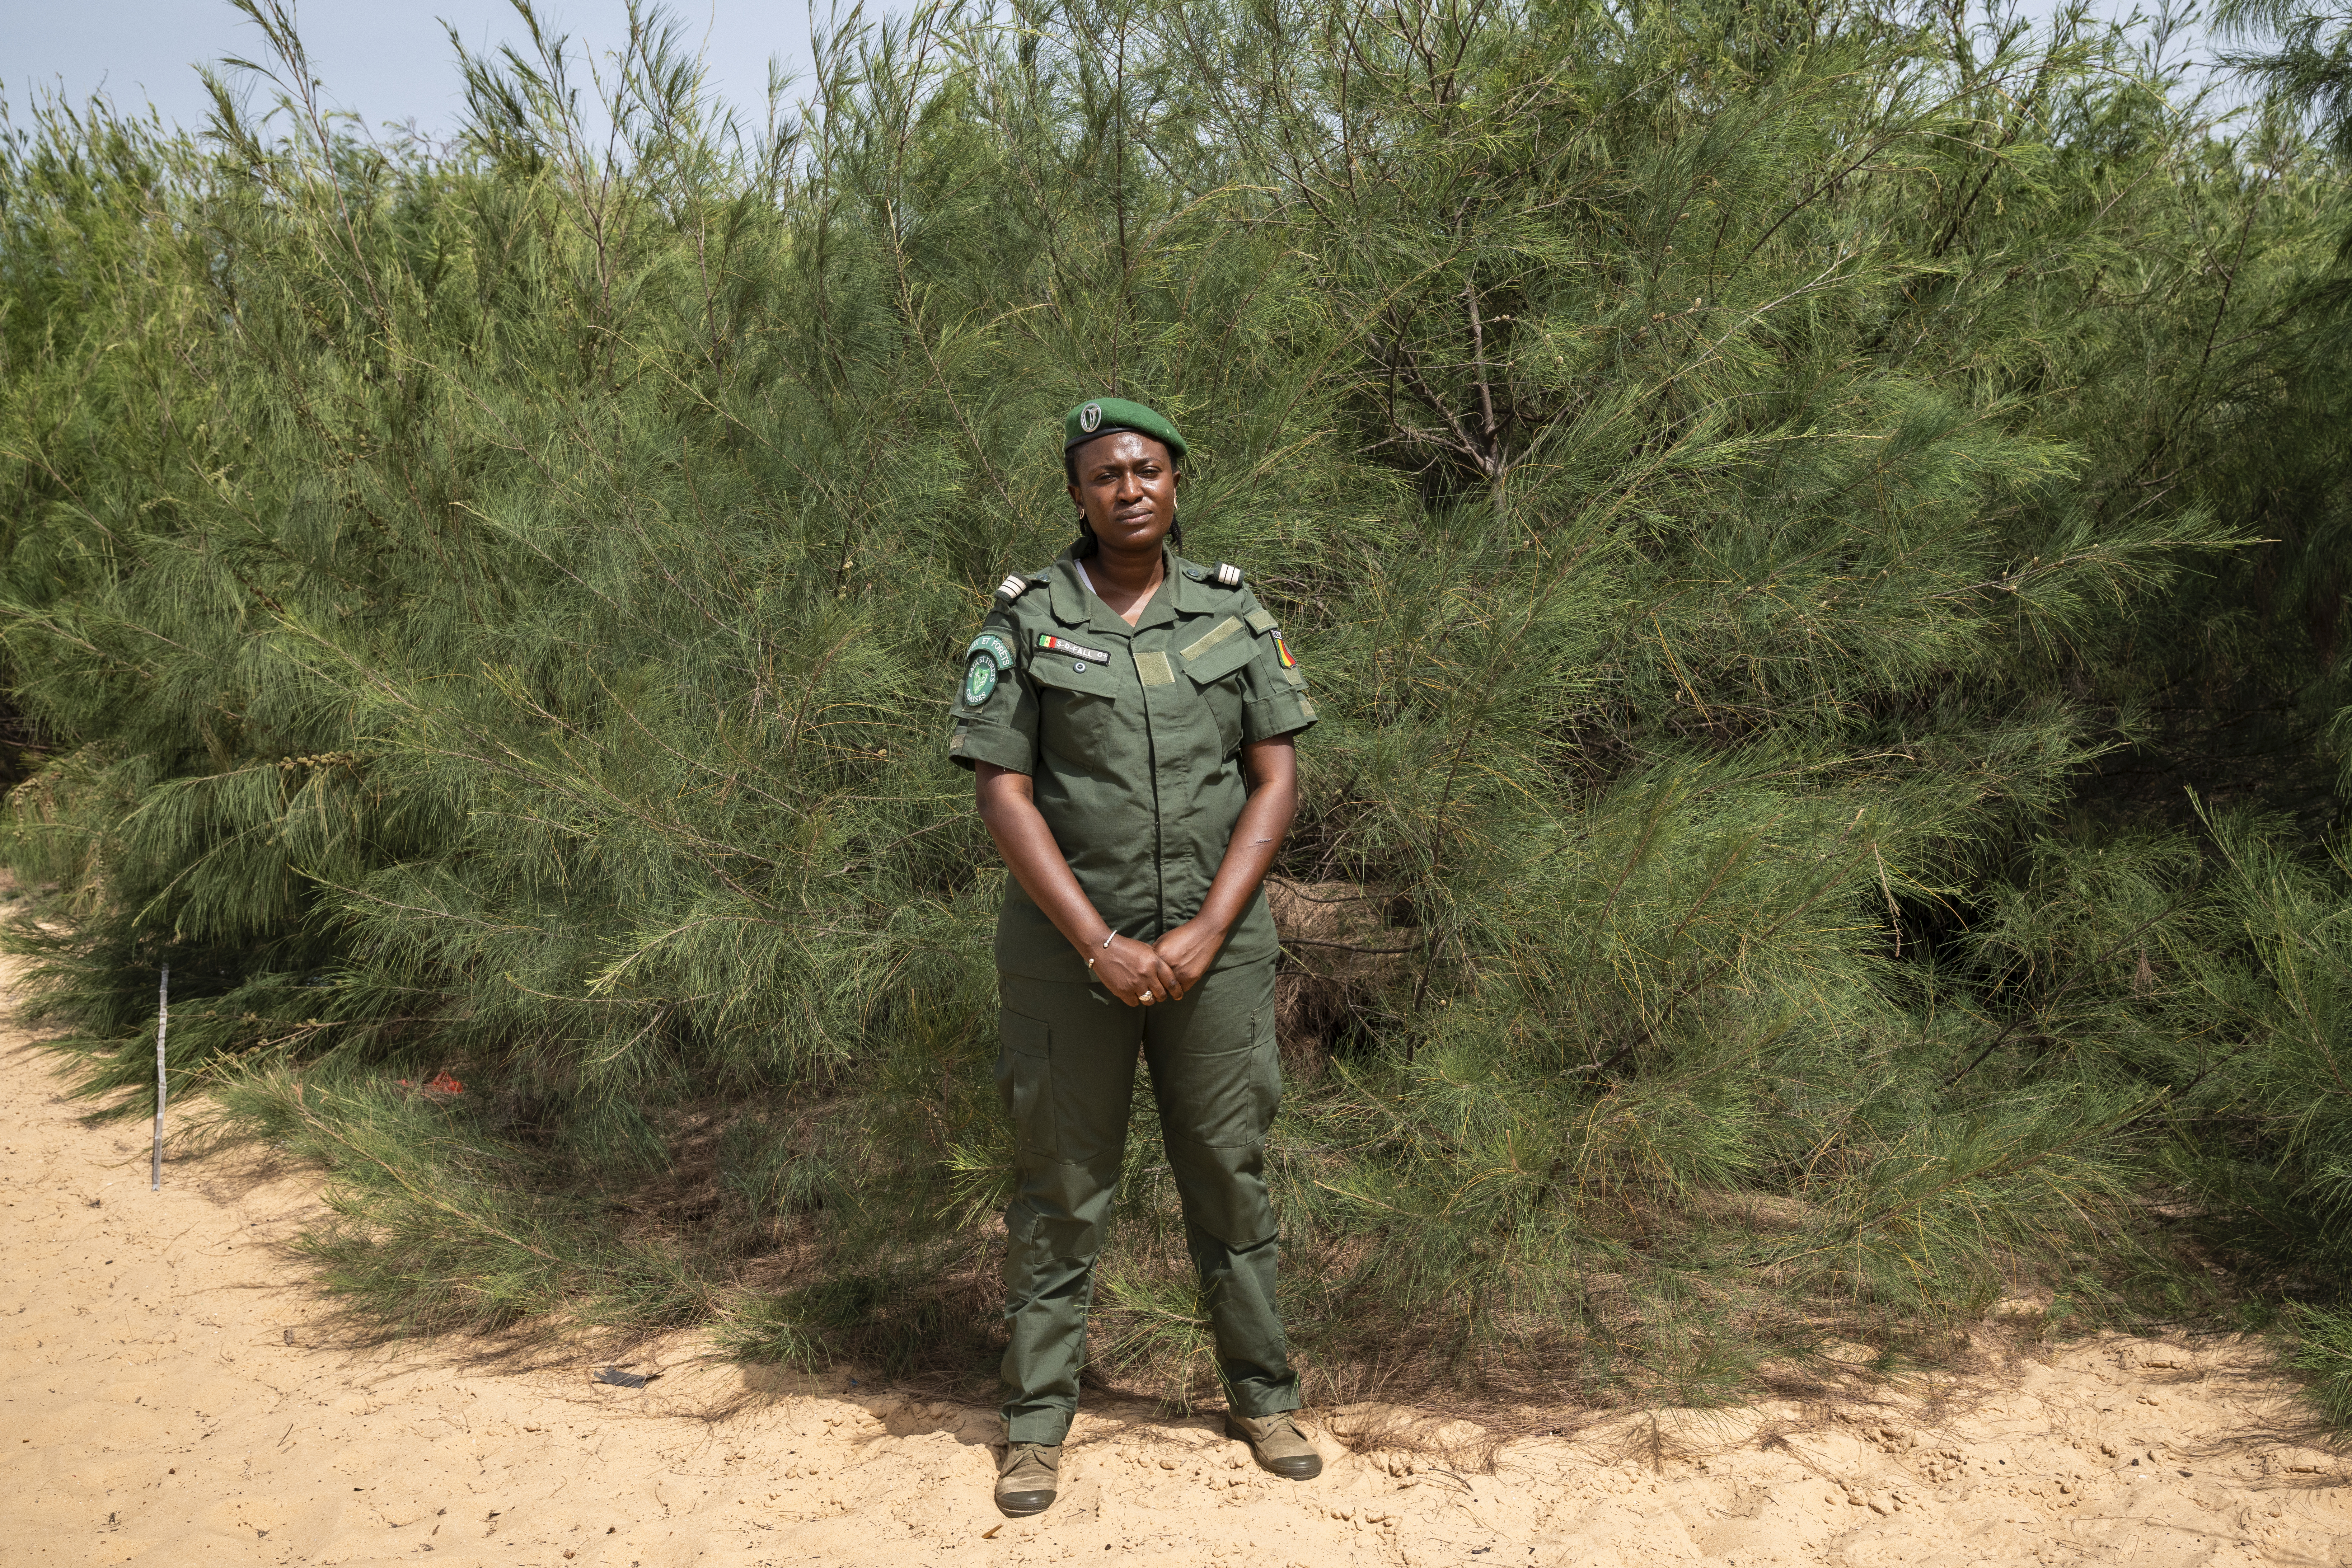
1276, 1444
1026, 1481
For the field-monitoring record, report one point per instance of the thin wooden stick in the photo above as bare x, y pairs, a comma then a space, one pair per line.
163, 1019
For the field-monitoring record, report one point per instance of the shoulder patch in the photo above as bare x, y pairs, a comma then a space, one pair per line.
1228, 575
996, 648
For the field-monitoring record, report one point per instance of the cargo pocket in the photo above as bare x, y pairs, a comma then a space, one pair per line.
1024, 1080
1218, 1099
1266, 1071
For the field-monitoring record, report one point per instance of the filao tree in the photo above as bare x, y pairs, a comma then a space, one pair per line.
1751, 484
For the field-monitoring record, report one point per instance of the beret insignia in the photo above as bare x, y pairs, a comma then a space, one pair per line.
1108, 415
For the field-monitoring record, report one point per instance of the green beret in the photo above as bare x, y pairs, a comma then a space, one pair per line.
1108, 415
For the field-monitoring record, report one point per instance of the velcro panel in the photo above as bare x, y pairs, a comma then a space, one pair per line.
1230, 626
1155, 669
1261, 621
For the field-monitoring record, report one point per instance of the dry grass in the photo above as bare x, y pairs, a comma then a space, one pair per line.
1341, 948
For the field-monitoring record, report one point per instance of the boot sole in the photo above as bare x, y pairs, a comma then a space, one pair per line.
1009, 1511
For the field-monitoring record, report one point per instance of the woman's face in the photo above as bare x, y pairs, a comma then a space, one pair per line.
1126, 488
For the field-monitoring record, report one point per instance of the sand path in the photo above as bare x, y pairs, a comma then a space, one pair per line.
171, 1394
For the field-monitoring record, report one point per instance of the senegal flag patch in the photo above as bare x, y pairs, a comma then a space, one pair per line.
1283, 648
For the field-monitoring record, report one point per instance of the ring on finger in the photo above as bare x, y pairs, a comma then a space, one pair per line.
1145, 998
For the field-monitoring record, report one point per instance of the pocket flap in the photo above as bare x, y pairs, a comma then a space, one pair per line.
1215, 663
1053, 670
1023, 1036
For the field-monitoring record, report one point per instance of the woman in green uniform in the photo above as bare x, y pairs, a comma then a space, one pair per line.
1128, 716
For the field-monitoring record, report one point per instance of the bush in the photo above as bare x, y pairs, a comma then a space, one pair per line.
1739, 478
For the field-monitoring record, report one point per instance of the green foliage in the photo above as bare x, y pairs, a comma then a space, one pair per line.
2267, 1123
2309, 66
2324, 1353
1751, 487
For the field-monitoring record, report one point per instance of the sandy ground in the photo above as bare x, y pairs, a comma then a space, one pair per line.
171, 1394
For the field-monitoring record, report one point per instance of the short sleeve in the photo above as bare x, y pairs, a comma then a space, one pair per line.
995, 705
1277, 703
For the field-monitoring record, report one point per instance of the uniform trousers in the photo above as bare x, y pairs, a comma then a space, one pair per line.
1066, 1068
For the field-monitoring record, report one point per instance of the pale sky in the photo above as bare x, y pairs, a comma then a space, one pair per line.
390, 60
387, 59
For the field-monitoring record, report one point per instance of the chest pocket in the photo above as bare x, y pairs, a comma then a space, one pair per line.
1215, 670
1077, 715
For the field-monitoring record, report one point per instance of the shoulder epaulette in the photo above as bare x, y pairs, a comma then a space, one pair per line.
1015, 584
1228, 575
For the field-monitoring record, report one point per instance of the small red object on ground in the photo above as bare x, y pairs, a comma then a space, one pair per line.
442, 1084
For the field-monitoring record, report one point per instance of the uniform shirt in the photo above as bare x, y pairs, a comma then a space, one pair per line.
1132, 736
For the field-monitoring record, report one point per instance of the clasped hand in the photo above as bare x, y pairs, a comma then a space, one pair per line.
1142, 973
